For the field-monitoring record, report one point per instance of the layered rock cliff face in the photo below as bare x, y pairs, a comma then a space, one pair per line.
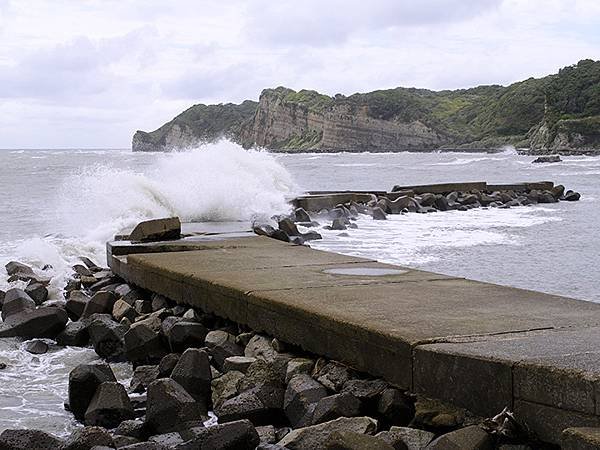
557, 113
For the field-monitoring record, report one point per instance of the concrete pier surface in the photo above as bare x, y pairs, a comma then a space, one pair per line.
477, 345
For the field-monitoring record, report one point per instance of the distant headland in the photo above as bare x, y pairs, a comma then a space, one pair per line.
559, 113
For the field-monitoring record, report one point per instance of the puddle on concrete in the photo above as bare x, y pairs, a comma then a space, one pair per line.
365, 271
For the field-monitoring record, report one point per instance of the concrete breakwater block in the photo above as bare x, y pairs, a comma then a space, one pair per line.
156, 230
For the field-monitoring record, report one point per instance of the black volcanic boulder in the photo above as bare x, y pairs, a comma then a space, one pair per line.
76, 304
102, 302
143, 345
74, 334
571, 196
83, 382
22, 272
185, 334
106, 335
44, 322
16, 301
238, 435
29, 440
110, 406
170, 408
38, 292
193, 373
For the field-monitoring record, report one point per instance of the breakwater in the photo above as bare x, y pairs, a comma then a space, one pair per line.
425, 335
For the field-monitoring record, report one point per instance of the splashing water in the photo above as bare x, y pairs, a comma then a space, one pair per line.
215, 182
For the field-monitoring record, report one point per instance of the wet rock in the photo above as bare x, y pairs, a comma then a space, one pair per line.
143, 345
22, 272
378, 214
300, 215
238, 435
404, 202
192, 372
87, 437
334, 406
571, 196
333, 375
106, 335
403, 438
143, 306
142, 377
442, 204
469, 199
394, 407
91, 265
82, 270
75, 334
29, 440
184, 334
301, 397
167, 364
261, 405
225, 387
315, 435
547, 159
76, 304
37, 292
338, 224
102, 302
122, 441
16, 301
109, 406
289, 227
71, 285
156, 230
36, 347
469, 438
44, 322
427, 199
545, 197
83, 382
239, 363
349, 440
221, 346
170, 407
123, 309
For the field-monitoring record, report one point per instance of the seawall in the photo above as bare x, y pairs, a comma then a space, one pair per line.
477, 345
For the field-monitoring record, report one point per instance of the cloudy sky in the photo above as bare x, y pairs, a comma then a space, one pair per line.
88, 73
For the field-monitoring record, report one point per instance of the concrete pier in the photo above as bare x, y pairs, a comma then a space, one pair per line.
478, 345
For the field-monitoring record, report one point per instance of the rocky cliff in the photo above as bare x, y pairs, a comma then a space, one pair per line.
557, 113
200, 123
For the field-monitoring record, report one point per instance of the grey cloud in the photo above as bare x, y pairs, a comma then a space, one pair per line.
316, 23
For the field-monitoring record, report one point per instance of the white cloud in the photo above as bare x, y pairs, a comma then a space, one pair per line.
89, 73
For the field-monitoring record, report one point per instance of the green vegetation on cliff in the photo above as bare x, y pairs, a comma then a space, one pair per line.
553, 112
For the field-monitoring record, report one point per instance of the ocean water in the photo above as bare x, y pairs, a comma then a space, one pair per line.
58, 205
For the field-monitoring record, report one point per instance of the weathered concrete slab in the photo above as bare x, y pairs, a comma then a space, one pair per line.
478, 345
444, 188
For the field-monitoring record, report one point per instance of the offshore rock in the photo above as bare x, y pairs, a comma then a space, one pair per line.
44, 322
